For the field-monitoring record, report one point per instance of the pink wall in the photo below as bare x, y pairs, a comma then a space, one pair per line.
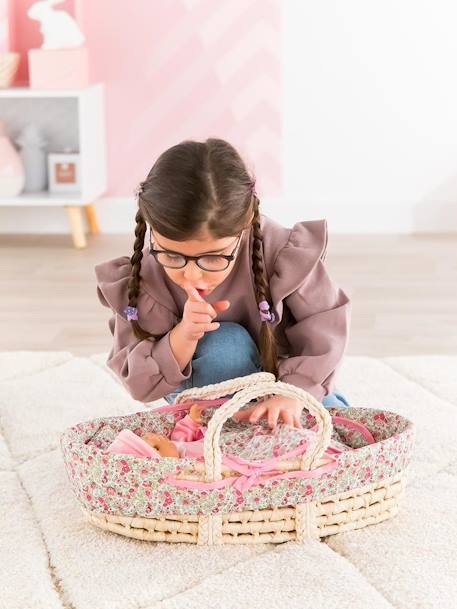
184, 69
4, 27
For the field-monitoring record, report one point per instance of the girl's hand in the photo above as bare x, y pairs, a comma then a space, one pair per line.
272, 407
198, 314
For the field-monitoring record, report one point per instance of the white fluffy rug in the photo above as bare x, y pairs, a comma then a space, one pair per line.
51, 558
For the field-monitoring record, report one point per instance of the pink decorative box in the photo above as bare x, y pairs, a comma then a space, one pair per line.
59, 68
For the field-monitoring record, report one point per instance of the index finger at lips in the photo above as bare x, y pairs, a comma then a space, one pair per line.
193, 293
198, 302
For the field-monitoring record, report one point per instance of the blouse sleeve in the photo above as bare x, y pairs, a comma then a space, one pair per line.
320, 310
147, 368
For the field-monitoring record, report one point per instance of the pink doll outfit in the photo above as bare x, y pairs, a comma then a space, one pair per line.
308, 308
187, 435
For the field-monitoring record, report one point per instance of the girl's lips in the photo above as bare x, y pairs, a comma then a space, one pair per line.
196, 288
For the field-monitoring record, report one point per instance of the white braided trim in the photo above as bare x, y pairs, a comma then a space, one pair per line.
216, 390
209, 530
305, 522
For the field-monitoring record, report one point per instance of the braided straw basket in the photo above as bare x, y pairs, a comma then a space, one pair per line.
373, 494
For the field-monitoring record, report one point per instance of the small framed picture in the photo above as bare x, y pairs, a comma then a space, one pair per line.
64, 173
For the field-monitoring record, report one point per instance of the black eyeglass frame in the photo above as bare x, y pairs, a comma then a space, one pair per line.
229, 257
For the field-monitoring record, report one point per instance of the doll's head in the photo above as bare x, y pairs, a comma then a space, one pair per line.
166, 447
199, 200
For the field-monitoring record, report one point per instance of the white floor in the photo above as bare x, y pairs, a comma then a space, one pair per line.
51, 558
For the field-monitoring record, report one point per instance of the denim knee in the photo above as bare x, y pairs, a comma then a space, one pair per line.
337, 399
226, 353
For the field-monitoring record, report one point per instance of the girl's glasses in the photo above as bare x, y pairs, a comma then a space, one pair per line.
209, 262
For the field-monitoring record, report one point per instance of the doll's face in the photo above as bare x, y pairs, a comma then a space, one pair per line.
164, 446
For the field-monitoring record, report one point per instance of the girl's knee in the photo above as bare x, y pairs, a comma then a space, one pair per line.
230, 350
228, 333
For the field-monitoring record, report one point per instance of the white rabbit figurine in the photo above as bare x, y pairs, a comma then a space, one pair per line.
59, 29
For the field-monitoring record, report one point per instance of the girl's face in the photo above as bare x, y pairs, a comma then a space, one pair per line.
204, 281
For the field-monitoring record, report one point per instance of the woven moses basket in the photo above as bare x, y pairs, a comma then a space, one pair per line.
296, 495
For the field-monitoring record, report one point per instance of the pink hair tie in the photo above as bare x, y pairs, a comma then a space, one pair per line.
131, 313
264, 310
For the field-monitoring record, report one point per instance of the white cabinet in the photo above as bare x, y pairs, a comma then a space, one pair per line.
69, 119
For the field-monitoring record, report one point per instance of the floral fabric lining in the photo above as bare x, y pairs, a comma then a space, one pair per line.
133, 486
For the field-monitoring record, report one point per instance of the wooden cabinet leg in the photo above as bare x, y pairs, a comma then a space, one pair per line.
77, 225
91, 215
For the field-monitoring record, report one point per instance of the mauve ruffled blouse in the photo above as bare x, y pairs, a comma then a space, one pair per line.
312, 313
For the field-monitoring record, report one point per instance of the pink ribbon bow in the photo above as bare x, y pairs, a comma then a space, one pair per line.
249, 473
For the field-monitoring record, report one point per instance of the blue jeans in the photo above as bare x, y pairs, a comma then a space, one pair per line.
227, 353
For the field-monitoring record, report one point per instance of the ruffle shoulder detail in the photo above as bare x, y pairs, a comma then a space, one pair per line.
112, 289
112, 282
305, 246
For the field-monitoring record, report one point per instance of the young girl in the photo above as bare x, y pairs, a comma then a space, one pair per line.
211, 254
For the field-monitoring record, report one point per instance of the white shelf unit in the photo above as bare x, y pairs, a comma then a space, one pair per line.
72, 118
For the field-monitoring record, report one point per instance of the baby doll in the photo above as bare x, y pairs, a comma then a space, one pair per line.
186, 439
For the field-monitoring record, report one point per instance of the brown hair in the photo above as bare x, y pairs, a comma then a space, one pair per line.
195, 187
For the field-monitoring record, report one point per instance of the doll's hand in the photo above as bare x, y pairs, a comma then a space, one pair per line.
272, 407
164, 446
195, 412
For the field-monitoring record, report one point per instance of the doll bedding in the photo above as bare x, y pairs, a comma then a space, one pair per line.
251, 442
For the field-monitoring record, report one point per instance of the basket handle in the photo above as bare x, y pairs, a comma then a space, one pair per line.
253, 386
217, 390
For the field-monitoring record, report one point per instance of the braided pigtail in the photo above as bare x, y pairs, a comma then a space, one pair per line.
268, 348
135, 278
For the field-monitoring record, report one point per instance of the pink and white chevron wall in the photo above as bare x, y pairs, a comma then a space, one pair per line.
342, 110
175, 70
